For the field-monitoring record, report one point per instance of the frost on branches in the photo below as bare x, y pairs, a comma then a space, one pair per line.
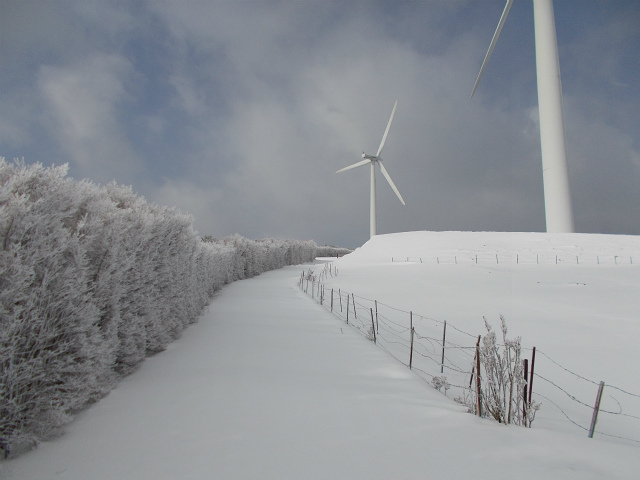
92, 280
502, 388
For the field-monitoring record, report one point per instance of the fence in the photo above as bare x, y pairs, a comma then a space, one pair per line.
448, 358
521, 259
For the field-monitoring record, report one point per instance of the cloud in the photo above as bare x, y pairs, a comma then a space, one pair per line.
604, 170
201, 202
84, 101
301, 106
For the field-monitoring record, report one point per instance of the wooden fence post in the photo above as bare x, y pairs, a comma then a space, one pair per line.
373, 328
533, 361
332, 300
347, 308
411, 353
596, 409
473, 364
525, 395
353, 300
444, 336
377, 326
340, 295
478, 385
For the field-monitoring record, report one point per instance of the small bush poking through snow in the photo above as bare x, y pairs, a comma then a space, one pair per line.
502, 380
440, 383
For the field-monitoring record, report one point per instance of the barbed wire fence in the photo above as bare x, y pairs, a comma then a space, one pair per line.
448, 358
525, 258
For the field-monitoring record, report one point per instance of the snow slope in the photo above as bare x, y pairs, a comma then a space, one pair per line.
268, 384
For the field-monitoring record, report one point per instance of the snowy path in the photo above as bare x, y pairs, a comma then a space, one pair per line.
268, 385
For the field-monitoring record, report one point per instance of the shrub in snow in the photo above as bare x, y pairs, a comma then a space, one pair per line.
441, 383
371, 334
502, 393
92, 280
331, 251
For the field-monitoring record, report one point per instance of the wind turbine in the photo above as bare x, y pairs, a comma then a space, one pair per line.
557, 196
373, 159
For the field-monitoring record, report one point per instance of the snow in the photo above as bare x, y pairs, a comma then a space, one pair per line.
269, 384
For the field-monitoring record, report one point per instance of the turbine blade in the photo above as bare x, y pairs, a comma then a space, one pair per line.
494, 40
384, 137
358, 164
393, 185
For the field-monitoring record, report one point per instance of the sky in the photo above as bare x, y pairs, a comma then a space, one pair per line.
240, 112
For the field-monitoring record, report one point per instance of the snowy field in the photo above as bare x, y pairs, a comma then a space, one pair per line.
573, 297
269, 384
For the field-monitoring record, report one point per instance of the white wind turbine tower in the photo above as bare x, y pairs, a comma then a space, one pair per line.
557, 196
373, 159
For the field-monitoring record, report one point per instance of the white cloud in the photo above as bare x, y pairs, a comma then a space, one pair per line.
83, 102
308, 115
206, 204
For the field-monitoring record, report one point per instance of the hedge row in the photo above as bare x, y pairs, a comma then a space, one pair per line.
92, 280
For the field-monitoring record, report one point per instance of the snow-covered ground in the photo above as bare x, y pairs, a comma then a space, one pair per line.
573, 297
269, 384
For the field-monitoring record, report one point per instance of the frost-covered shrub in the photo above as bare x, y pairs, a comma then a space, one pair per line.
440, 383
331, 251
52, 357
253, 257
502, 389
92, 280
